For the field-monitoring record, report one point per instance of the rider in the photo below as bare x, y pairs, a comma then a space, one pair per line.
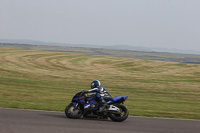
101, 93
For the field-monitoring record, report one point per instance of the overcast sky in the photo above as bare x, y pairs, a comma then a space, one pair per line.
150, 23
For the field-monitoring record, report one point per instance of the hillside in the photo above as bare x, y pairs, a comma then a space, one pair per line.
112, 47
47, 80
160, 56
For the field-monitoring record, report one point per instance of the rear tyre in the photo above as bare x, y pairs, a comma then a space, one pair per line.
71, 112
120, 117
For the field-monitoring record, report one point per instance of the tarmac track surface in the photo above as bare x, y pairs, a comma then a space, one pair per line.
30, 121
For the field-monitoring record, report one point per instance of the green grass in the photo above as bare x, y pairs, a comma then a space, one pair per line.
47, 81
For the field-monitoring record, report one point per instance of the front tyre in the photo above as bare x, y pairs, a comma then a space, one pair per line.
71, 112
120, 117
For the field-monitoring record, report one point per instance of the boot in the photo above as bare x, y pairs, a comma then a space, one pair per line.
103, 105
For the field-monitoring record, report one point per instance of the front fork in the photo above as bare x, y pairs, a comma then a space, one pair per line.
75, 105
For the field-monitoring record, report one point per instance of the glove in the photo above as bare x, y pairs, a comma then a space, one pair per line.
83, 91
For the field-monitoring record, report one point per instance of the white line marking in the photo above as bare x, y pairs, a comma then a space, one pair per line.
165, 118
128, 116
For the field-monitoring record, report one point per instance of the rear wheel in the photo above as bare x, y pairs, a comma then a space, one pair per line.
71, 112
123, 115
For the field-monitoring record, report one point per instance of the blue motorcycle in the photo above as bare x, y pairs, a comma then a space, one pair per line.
89, 107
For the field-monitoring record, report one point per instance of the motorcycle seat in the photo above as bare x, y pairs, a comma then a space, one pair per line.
108, 99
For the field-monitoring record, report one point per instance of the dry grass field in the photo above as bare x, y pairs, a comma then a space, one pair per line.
47, 80
157, 56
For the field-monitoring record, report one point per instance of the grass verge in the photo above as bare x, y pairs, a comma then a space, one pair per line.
47, 80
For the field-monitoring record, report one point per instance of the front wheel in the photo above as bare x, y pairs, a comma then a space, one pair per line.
72, 112
120, 117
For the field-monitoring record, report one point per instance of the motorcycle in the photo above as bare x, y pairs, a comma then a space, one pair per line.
89, 107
